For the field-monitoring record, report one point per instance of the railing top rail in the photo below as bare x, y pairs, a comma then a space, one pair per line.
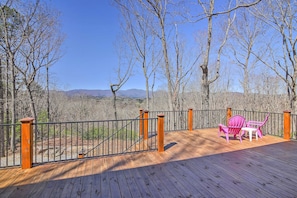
15, 124
168, 111
255, 111
90, 121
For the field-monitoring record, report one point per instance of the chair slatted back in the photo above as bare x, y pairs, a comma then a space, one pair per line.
265, 120
235, 124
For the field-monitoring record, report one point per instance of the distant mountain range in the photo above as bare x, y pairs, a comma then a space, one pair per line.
129, 93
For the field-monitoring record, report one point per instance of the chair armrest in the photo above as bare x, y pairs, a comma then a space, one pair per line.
221, 127
253, 123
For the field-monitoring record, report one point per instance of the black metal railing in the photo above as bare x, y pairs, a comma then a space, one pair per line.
294, 126
178, 120
274, 125
208, 118
173, 120
69, 140
10, 145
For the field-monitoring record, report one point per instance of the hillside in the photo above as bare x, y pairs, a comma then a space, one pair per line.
129, 93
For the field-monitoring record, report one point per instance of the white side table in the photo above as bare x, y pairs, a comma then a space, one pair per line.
250, 130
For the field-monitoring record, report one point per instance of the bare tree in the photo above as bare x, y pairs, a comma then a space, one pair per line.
268, 92
116, 87
123, 72
162, 17
205, 79
182, 71
246, 35
281, 16
2, 152
158, 8
28, 43
209, 14
140, 38
13, 33
41, 49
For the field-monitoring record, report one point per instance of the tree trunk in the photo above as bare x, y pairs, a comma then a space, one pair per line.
13, 102
205, 92
48, 95
32, 104
147, 89
7, 102
204, 66
2, 136
114, 102
167, 65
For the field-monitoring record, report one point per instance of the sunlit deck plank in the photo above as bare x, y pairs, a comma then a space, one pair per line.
71, 178
78, 184
22, 180
8, 173
38, 181
55, 186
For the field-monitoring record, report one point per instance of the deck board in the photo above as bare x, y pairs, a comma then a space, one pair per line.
134, 190
245, 172
194, 164
96, 185
40, 186
155, 180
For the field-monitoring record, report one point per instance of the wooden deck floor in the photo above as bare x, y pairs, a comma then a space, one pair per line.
194, 164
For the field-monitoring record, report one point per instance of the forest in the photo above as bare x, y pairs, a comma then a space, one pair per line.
242, 55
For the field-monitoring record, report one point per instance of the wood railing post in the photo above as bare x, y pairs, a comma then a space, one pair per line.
160, 132
145, 127
141, 122
27, 142
287, 125
190, 119
229, 114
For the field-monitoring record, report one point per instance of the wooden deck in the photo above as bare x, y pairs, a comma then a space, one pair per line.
194, 164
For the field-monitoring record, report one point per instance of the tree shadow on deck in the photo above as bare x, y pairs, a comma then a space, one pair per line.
168, 146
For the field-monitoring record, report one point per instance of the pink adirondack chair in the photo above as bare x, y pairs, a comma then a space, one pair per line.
258, 125
235, 124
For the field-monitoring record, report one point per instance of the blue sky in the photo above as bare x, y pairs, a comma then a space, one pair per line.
89, 61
